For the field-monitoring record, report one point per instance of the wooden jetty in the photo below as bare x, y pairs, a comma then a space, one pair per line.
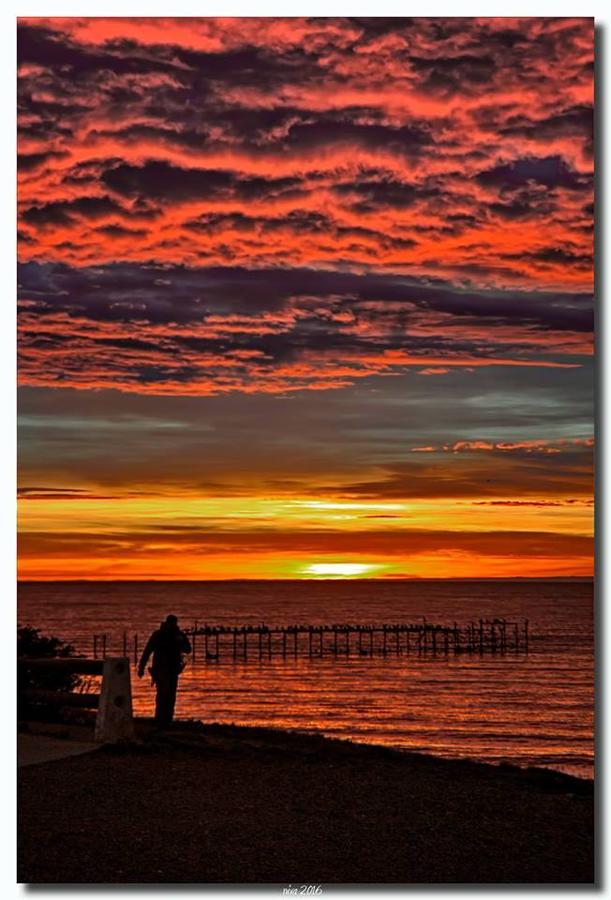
211, 643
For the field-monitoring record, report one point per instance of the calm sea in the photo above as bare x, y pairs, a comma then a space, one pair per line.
534, 709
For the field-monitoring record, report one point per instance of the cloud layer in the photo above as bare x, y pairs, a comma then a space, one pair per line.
273, 204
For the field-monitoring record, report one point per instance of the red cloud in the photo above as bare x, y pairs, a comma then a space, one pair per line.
428, 150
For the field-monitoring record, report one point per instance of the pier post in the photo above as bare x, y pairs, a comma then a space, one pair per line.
492, 635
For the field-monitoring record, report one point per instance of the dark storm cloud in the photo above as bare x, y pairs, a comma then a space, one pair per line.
118, 231
183, 294
378, 194
551, 171
63, 212
299, 222
28, 161
160, 181
578, 120
475, 476
332, 130
458, 73
399, 543
173, 329
50, 48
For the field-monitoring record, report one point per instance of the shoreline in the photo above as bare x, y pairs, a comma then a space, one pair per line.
503, 765
224, 803
182, 727
340, 742
192, 726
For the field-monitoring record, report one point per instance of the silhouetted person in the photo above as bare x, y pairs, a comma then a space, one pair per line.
167, 645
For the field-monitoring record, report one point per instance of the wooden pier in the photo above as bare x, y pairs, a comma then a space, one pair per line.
211, 643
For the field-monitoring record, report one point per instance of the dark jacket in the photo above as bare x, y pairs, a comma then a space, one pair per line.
167, 645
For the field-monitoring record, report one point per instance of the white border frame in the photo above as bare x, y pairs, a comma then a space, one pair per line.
325, 8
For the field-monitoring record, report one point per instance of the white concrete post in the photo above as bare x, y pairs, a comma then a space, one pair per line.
114, 721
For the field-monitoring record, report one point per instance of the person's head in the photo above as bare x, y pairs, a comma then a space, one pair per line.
171, 621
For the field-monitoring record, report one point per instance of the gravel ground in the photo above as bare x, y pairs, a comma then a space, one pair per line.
210, 804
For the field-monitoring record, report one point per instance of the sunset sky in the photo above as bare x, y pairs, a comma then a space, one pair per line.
305, 298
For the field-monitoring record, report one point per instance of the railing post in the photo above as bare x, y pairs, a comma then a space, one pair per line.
114, 721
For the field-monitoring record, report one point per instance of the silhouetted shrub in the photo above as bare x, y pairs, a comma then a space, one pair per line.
32, 644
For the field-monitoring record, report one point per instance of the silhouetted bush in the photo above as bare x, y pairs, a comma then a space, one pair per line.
32, 644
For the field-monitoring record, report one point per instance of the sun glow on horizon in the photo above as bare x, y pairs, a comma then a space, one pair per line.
91, 534
341, 569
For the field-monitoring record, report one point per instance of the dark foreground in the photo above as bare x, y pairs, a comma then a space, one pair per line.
224, 804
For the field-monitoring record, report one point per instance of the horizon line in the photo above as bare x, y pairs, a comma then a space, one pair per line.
385, 579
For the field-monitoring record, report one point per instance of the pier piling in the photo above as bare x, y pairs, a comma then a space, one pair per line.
486, 636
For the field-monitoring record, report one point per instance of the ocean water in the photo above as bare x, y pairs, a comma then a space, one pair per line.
527, 709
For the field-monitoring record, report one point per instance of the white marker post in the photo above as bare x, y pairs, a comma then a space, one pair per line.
114, 721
